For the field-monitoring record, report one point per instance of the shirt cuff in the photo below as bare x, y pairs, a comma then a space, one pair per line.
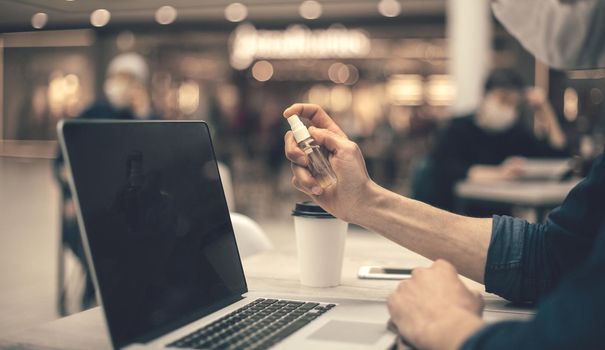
503, 268
495, 336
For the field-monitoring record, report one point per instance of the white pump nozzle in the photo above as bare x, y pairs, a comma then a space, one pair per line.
298, 128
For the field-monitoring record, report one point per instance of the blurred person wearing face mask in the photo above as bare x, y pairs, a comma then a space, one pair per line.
490, 144
126, 97
125, 88
558, 265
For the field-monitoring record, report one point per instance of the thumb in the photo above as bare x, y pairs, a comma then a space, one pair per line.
328, 139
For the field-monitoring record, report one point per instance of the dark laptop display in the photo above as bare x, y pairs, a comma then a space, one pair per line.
156, 221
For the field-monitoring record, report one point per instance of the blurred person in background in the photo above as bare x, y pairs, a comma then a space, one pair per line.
558, 264
126, 97
489, 145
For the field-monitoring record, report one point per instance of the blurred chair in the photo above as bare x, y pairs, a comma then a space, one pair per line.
250, 237
225, 175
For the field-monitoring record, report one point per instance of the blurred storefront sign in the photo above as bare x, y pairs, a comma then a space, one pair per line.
296, 42
416, 90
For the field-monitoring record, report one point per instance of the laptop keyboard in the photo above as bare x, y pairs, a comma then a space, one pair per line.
258, 325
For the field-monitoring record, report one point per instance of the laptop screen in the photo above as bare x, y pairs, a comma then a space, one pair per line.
156, 221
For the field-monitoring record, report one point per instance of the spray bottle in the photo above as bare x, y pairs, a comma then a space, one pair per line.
318, 165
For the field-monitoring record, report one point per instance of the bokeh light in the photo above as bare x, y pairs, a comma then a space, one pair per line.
262, 70
165, 15
389, 8
100, 17
39, 20
310, 9
236, 12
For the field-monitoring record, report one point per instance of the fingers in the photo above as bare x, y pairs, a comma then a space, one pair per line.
480, 302
293, 152
396, 301
331, 140
304, 182
315, 114
393, 304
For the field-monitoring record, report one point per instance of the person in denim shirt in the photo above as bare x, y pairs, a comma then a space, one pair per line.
560, 265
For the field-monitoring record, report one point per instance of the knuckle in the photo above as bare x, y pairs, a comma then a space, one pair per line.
402, 286
350, 147
439, 262
307, 183
290, 151
480, 301
444, 264
290, 155
417, 272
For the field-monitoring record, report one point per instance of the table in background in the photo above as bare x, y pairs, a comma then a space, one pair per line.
272, 271
541, 196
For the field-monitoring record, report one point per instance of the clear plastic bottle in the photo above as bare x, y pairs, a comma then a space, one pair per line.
318, 165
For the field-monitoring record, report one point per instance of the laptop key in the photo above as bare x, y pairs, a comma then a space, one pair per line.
257, 325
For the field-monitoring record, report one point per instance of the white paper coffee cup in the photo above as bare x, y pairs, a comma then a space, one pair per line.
320, 243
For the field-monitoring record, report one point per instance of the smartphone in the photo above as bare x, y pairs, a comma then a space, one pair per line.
383, 273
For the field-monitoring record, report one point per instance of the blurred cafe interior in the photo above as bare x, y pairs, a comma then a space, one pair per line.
392, 73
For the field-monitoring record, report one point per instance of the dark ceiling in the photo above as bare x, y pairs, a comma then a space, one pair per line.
15, 15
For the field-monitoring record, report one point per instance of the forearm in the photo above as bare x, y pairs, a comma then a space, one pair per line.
431, 232
555, 135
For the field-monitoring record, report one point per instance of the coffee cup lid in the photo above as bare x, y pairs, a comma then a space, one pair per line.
310, 209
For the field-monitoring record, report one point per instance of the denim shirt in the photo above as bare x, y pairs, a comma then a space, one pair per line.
560, 265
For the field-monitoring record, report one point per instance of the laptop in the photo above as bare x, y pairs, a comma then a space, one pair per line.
163, 256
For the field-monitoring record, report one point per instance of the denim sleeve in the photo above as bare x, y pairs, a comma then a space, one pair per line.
517, 266
526, 261
571, 317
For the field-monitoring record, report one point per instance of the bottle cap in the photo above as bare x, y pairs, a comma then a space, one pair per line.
298, 128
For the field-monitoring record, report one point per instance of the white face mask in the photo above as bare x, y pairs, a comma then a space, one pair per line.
495, 117
117, 93
563, 35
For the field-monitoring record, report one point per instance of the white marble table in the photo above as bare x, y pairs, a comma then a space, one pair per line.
538, 195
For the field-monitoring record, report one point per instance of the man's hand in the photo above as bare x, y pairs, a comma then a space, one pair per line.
536, 98
546, 123
512, 168
434, 309
346, 159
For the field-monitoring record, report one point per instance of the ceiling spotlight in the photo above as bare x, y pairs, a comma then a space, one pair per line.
165, 15
310, 9
39, 20
389, 8
236, 12
100, 17
262, 70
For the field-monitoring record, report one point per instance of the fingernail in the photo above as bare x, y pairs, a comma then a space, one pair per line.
316, 190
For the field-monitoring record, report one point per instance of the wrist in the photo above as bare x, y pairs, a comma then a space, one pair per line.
369, 196
453, 329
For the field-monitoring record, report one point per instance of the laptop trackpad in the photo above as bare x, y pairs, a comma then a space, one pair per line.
351, 332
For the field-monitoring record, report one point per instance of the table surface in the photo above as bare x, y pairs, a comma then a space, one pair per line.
87, 330
525, 193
